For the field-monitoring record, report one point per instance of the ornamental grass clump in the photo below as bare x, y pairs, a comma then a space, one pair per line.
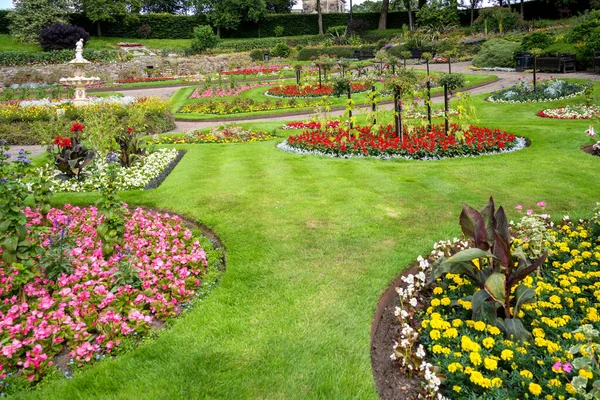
459, 352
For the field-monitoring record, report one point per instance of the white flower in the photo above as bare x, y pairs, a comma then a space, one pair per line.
413, 302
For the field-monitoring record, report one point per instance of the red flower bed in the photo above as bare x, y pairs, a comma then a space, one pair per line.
310, 125
311, 90
253, 70
418, 143
136, 80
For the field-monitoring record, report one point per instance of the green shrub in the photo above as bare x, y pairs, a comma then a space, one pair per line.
16, 58
204, 38
278, 31
499, 19
496, 53
540, 40
438, 14
281, 50
263, 43
18, 133
308, 53
258, 54
580, 32
336, 30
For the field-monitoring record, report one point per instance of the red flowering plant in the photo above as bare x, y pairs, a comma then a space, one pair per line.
416, 143
70, 156
312, 90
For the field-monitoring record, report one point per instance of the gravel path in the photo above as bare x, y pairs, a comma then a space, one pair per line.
505, 79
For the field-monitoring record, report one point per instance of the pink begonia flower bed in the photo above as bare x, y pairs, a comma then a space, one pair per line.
220, 92
86, 311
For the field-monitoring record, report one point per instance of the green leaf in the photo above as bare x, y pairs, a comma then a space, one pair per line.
579, 382
473, 227
513, 327
10, 244
4, 225
523, 295
581, 362
575, 349
469, 255
495, 286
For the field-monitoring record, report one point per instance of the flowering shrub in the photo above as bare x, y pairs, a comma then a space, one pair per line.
138, 176
578, 111
222, 92
313, 90
547, 90
91, 308
217, 134
310, 125
271, 69
238, 105
150, 79
418, 143
469, 358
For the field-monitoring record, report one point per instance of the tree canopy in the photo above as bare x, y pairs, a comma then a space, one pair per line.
29, 17
230, 13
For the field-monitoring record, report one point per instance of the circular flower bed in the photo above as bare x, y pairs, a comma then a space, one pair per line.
311, 90
79, 302
578, 111
217, 134
418, 143
238, 105
547, 90
452, 339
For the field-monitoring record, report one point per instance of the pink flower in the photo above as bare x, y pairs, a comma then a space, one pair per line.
557, 367
519, 207
529, 212
567, 367
541, 204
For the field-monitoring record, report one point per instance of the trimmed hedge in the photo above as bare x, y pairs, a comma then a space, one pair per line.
251, 44
4, 22
307, 53
16, 58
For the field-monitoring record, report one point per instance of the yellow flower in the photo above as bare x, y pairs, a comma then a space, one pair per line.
488, 343
455, 367
490, 363
456, 388
507, 355
434, 334
586, 374
475, 358
438, 290
526, 374
480, 326
535, 389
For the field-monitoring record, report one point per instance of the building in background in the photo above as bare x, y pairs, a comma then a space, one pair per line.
327, 6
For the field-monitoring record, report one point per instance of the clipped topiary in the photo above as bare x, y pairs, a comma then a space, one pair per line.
59, 36
496, 53
281, 50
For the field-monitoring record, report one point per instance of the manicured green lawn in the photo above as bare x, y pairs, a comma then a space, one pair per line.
311, 243
7, 43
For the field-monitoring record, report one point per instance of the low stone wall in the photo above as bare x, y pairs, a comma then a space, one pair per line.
123, 69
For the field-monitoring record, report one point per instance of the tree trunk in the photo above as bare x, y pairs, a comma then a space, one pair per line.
410, 19
428, 98
472, 12
98, 30
384, 14
522, 10
320, 17
218, 31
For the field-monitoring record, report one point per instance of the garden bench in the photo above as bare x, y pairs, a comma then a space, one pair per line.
596, 60
561, 63
363, 55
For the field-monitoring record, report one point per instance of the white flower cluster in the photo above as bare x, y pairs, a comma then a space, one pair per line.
122, 101
578, 111
137, 176
520, 144
551, 90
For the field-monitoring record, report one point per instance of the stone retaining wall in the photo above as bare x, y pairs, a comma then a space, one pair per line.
123, 69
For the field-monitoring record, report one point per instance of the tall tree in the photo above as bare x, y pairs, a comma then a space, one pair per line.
29, 17
472, 6
228, 14
109, 10
409, 6
320, 18
280, 6
368, 6
166, 6
385, 7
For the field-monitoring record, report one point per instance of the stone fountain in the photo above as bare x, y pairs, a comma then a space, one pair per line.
79, 80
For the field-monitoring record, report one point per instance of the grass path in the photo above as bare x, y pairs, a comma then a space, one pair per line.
311, 244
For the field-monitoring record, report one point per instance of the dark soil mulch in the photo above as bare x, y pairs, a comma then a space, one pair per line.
588, 149
392, 383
